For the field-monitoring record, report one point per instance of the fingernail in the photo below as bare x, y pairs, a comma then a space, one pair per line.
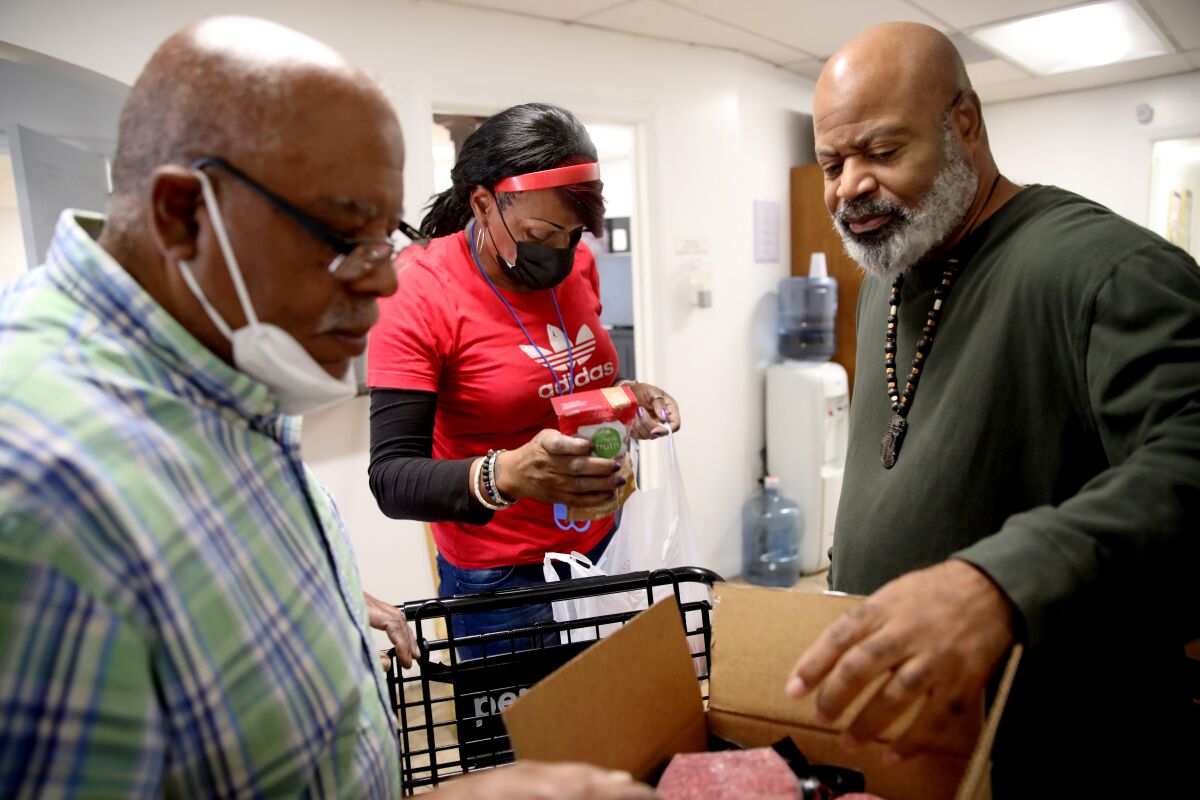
658, 434
620, 481
619, 457
796, 688
850, 741
892, 758
616, 468
663, 415
823, 716
641, 411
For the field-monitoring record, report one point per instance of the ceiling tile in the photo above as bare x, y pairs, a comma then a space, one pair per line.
550, 9
963, 14
969, 49
1014, 90
814, 26
989, 73
1181, 18
1124, 72
667, 21
808, 67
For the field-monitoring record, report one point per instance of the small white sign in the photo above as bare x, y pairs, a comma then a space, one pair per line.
691, 247
766, 231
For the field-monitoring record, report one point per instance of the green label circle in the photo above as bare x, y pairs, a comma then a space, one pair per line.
606, 443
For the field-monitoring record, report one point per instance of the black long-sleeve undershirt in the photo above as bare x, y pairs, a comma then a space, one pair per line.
408, 483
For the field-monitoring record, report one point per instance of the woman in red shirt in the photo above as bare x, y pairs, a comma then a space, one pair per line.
498, 314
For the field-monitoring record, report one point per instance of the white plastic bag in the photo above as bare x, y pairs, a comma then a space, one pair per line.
656, 528
656, 532
587, 608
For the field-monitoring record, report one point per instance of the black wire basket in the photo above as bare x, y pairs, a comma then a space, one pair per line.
448, 708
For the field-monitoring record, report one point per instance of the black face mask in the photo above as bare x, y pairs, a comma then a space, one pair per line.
538, 266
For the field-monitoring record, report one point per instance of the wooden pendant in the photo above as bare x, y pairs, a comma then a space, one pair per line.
893, 437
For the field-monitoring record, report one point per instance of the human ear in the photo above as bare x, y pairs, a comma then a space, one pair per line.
174, 199
481, 201
967, 119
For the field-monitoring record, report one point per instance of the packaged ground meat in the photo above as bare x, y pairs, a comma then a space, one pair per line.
604, 417
729, 775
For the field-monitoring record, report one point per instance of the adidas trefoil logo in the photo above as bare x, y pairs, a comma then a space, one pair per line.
560, 360
559, 357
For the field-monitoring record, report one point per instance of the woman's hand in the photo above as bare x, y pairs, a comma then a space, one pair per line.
556, 468
657, 411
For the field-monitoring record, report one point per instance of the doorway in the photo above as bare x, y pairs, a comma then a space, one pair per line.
1175, 191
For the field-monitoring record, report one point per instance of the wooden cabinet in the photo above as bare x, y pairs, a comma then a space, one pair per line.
812, 231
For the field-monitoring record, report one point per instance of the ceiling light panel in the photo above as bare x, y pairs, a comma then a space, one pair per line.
1075, 38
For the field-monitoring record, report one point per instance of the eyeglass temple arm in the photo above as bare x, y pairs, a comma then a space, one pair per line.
338, 244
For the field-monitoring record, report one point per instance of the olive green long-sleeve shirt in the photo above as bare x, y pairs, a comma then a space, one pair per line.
1054, 442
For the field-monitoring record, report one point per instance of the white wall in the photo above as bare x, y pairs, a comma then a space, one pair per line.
717, 131
1090, 142
12, 249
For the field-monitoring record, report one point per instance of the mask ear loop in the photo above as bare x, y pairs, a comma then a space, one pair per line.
231, 262
503, 222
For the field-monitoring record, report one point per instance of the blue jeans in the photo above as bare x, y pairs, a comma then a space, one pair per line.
456, 580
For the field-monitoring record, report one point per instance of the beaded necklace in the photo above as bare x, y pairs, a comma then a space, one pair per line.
897, 426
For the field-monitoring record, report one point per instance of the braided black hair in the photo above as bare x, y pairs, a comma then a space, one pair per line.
525, 138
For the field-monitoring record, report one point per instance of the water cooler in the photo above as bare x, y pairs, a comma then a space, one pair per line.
808, 405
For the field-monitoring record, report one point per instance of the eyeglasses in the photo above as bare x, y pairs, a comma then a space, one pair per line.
355, 257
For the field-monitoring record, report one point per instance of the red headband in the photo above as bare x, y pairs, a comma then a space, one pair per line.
550, 178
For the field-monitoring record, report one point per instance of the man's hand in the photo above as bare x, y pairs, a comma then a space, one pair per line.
530, 780
940, 632
390, 620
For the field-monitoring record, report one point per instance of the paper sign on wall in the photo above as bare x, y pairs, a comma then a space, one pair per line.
766, 231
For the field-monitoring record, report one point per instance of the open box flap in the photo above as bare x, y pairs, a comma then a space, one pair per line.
628, 702
759, 634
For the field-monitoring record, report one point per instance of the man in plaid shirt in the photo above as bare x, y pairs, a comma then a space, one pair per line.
180, 612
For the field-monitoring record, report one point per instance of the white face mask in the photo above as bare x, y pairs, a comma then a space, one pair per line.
263, 351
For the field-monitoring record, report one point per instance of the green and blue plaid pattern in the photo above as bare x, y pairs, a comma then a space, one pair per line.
180, 613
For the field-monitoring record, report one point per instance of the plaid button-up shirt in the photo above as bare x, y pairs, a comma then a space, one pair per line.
180, 612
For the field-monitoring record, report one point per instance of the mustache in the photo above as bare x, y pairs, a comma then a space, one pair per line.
357, 317
858, 209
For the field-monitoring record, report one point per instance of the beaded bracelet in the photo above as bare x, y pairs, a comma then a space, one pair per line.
475, 474
491, 478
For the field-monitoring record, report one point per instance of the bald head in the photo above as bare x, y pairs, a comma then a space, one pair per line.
233, 86
890, 64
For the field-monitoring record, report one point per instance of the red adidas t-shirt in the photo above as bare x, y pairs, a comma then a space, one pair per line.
445, 331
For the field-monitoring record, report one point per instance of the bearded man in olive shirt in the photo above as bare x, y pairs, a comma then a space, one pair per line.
1024, 455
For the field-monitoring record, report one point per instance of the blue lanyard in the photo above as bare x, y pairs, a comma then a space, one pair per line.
521, 325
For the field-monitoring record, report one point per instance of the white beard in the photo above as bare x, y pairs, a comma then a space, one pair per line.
910, 235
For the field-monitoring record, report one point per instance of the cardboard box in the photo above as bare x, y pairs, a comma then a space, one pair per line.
632, 700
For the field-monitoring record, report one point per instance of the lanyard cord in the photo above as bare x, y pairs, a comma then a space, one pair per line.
521, 325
